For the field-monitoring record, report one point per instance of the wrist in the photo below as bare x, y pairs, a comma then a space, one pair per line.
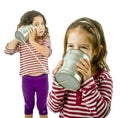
33, 42
15, 41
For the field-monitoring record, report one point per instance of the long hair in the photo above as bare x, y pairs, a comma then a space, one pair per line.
95, 29
27, 19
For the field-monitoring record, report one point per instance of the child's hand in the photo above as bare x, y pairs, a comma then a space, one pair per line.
84, 67
32, 34
58, 67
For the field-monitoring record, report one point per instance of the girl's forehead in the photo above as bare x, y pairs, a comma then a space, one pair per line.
79, 36
78, 30
37, 18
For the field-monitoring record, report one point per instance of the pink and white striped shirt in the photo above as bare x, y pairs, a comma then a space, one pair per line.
92, 100
28, 63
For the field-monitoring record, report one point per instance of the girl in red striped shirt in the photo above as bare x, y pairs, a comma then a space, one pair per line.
34, 55
93, 98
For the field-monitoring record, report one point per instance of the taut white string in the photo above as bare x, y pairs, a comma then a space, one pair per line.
35, 56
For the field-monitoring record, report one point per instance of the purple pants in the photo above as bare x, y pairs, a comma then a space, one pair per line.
38, 85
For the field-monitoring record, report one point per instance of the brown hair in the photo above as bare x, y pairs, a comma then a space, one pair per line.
95, 29
27, 19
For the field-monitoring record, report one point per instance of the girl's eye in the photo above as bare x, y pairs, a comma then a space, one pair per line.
36, 25
69, 45
84, 47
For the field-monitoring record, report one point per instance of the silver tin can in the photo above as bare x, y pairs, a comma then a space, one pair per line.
22, 33
67, 76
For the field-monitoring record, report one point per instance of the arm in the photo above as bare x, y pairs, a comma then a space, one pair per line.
97, 97
56, 97
45, 49
11, 47
41, 49
13, 44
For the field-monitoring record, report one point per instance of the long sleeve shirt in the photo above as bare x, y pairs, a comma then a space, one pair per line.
31, 61
92, 100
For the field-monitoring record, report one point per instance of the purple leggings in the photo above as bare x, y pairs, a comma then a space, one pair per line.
38, 85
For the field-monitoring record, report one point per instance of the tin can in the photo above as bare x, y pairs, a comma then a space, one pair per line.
22, 33
67, 76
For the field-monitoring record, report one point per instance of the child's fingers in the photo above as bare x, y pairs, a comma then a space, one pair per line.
58, 67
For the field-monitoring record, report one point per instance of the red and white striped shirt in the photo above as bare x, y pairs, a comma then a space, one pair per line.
92, 100
28, 62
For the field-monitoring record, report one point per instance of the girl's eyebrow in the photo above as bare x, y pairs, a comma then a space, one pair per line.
69, 43
80, 44
85, 45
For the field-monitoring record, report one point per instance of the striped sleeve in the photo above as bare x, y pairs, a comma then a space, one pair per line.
47, 43
97, 97
11, 51
56, 97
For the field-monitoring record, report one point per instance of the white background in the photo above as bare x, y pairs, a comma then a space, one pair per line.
59, 15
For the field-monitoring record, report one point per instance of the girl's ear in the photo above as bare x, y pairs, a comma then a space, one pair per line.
100, 48
97, 51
